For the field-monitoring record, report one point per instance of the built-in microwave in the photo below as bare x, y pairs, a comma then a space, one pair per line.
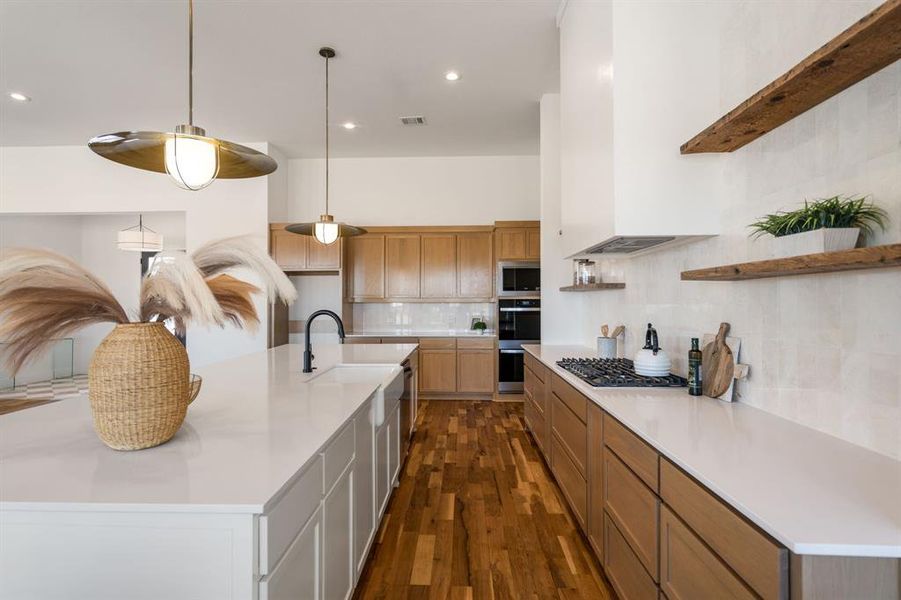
518, 278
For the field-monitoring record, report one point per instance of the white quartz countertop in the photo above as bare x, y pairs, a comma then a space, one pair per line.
489, 333
257, 421
813, 492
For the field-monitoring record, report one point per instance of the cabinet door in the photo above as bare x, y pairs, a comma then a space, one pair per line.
511, 243
439, 265
438, 370
402, 265
533, 244
394, 435
382, 482
297, 575
596, 479
364, 486
475, 265
337, 539
368, 281
289, 250
321, 257
475, 371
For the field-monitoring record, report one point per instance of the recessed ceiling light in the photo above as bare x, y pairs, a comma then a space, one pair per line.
19, 97
452, 76
349, 125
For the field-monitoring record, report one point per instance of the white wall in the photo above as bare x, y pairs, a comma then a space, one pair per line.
72, 179
823, 349
458, 190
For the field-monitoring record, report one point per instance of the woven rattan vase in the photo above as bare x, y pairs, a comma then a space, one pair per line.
139, 385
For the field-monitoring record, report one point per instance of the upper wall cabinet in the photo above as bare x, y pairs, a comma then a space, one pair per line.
520, 240
435, 265
439, 265
475, 265
294, 252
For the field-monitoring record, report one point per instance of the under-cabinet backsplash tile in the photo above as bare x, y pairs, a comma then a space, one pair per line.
388, 316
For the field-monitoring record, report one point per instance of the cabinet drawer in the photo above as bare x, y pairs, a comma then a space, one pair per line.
438, 343
758, 560
623, 568
336, 456
532, 385
689, 569
634, 508
476, 343
572, 398
632, 450
572, 432
297, 576
570, 480
537, 368
281, 523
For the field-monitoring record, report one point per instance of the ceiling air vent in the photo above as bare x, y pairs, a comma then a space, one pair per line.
628, 244
413, 121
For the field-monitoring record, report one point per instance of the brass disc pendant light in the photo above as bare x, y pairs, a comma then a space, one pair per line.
326, 230
191, 159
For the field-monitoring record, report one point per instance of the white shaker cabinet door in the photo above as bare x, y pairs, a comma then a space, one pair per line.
394, 445
364, 488
337, 539
297, 575
382, 475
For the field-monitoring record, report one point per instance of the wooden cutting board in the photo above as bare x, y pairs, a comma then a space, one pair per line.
717, 365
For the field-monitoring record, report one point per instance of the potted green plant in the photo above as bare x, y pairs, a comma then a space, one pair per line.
479, 326
823, 225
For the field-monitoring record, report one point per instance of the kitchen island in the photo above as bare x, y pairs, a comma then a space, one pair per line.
262, 493
658, 479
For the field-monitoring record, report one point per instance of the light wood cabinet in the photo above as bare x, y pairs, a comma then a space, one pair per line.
572, 484
690, 570
623, 568
632, 450
475, 371
439, 265
367, 254
475, 265
402, 265
289, 250
572, 433
517, 243
293, 252
533, 244
634, 509
596, 479
438, 365
321, 257
511, 243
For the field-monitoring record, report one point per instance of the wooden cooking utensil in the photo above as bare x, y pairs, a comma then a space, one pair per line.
619, 329
717, 365
604, 330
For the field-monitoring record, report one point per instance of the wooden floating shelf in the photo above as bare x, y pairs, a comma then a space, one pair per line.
872, 43
593, 287
877, 257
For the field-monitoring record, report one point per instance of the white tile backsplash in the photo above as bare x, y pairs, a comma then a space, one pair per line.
824, 350
380, 317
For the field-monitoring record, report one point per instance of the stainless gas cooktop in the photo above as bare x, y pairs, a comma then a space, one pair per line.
615, 372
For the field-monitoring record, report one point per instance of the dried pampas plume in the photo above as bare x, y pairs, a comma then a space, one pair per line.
236, 299
214, 258
176, 288
45, 296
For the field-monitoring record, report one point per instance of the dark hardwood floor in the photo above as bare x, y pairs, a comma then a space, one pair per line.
477, 515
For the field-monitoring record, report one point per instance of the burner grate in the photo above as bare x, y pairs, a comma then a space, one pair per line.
615, 372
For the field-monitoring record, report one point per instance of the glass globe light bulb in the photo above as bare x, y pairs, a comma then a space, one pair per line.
191, 162
326, 232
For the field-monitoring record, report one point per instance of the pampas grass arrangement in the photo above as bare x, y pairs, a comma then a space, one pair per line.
45, 296
139, 380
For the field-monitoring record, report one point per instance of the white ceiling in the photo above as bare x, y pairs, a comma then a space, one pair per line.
99, 66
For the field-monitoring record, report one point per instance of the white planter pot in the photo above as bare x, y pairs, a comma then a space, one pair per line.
816, 241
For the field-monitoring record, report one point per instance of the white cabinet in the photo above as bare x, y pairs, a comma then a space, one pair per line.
394, 445
364, 487
337, 539
382, 481
297, 575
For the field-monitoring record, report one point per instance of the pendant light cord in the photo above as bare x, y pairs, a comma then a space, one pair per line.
190, 62
326, 135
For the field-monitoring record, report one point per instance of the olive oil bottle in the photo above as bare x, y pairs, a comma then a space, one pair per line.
694, 369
